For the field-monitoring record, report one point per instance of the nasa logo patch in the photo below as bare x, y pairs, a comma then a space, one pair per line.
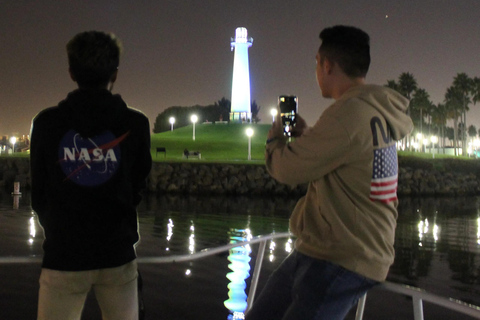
89, 161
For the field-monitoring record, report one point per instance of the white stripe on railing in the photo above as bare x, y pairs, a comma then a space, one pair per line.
418, 295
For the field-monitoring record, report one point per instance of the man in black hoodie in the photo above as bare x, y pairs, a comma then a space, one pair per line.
90, 157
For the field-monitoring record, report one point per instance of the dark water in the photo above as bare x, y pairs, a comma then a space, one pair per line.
437, 249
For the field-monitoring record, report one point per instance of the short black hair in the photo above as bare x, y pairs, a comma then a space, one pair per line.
347, 46
93, 57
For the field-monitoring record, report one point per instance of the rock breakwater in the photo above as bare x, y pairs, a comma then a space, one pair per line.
416, 178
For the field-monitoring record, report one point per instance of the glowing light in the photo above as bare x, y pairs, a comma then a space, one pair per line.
33, 230
289, 245
188, 272
191, 239
172, 121
478, 230
274, 113
239, 258
194, 119
272, 246
170, 226
13, 140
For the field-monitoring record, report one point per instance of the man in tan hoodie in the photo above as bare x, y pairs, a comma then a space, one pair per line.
345, 224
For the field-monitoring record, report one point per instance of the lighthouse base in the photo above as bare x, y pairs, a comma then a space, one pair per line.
240, 117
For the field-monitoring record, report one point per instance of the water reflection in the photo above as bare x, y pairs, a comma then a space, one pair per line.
437, 240
437, 246
239, 258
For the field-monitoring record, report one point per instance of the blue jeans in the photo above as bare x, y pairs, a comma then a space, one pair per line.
304, 288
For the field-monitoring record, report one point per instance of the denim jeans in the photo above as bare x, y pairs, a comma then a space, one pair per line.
304, 288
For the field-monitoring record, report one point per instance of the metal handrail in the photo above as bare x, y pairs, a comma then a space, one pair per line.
418, 295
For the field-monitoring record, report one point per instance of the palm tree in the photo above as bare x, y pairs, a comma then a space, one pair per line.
453, 104
439, 118
419, 106
475, 90
406, 86
472, 131
465, 86
392, 85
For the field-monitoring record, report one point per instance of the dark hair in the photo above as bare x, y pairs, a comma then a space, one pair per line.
349, 47
93, 57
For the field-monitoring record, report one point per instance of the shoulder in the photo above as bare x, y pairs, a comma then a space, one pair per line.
137, 115
46, 115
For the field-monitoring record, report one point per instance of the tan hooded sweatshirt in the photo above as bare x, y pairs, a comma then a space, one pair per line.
349, 159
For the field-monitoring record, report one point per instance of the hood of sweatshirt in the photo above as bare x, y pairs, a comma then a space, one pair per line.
391, 104
91, 111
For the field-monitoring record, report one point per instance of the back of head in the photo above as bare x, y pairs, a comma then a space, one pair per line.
347, 46
93, 57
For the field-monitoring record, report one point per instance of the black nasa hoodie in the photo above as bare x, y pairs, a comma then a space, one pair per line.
90, 158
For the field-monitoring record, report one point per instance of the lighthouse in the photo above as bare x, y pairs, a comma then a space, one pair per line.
241, 108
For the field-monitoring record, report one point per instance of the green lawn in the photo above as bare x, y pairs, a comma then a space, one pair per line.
224, 143
216, 142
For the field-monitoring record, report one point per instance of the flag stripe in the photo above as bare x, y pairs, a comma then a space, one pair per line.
385, 175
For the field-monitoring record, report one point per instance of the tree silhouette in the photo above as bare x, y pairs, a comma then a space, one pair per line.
465, 87
453, 103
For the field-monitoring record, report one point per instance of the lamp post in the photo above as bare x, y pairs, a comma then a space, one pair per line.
419, 139
249, 134
476, 144
434, 140
13, 140
172, 121
194, 119
425, 144
273, 112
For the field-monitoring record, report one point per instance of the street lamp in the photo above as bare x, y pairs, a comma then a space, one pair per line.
194, 119
249, 134
434, 140
419, 139
425, 144
273, 112
13, 140
172, 121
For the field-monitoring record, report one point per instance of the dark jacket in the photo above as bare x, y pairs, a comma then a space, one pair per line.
90, 157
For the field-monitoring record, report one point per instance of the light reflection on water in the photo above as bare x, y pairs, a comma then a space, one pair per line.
239, 258
437, 240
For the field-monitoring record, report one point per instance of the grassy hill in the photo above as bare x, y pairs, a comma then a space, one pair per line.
216, 142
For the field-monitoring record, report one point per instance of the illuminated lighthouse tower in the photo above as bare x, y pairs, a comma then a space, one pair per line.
241, 109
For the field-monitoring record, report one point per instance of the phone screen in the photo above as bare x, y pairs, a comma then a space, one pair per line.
288, 106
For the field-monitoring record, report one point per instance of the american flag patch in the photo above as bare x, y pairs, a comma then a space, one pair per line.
385, 175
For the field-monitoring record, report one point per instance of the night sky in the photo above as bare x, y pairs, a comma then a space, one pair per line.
177, 52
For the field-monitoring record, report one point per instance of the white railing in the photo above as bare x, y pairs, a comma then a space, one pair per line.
418, 295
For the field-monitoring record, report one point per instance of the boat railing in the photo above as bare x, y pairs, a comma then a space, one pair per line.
418, 295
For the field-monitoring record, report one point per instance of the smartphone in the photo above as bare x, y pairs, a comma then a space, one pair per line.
288, 106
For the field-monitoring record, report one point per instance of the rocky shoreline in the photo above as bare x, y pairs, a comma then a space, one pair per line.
446, 177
